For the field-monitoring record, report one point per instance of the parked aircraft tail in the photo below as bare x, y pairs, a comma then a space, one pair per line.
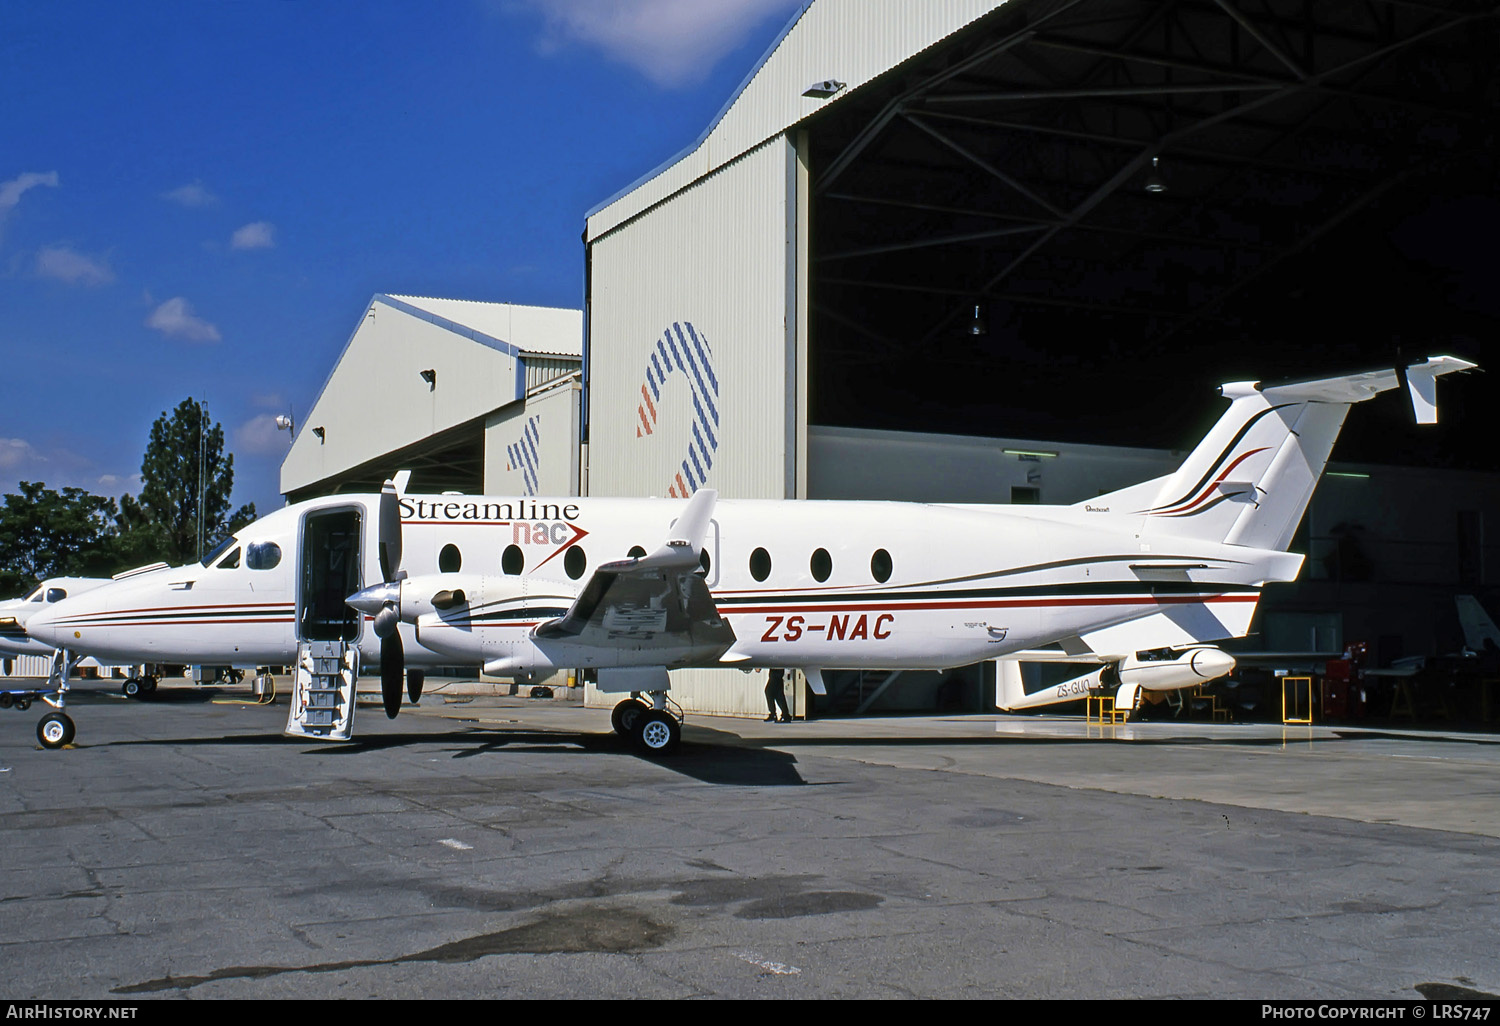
1478, 627
1249, 481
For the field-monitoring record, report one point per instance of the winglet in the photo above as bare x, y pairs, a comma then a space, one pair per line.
692, 526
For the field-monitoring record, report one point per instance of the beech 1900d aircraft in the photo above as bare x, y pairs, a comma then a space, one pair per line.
633, 588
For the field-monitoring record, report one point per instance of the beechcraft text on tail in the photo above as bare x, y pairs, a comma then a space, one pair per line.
634, 588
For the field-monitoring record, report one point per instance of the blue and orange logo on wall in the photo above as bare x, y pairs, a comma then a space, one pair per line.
525, 456
681, 349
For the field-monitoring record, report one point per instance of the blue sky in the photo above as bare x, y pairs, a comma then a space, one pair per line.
198, 198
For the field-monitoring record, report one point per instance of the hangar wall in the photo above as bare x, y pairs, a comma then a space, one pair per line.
692, 352
532, 448
860, 463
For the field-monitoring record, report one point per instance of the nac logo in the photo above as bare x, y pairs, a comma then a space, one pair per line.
682, 351
525, 456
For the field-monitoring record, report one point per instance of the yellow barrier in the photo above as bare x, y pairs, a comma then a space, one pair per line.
1295, 691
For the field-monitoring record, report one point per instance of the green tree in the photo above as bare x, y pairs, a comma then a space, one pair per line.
45, 533
186, 481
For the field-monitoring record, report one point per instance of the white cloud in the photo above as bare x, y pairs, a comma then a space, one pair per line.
17, 452
671, 42
71, 266
191, 195
114, 484
175, 319
256, 235
259, 436
11, 191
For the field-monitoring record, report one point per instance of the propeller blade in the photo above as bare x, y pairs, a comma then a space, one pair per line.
386, 620
392, 667
414, 681
388, 524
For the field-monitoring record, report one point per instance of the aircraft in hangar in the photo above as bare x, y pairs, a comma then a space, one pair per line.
1172, 563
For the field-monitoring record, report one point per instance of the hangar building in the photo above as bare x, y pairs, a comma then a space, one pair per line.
1060, 219
473, 397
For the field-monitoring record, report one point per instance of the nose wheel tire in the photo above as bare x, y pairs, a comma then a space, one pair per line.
55, 730
624, 716
656, 733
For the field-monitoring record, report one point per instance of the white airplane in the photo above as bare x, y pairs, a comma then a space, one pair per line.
532, 585
1481, 639
14, 641
1123, 675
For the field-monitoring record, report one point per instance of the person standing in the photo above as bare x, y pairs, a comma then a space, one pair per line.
776, 696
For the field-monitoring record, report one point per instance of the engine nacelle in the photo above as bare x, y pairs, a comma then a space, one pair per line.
1185, 669
485, 619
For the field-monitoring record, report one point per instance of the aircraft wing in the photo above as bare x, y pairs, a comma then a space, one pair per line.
1174, 627
656, 601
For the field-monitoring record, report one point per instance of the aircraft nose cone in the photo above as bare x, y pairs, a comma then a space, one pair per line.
42, 625
1210, 663
370, 600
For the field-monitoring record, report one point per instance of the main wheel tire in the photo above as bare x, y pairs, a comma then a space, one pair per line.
624, 715
656, 733
148, 686
131, 688
54, 730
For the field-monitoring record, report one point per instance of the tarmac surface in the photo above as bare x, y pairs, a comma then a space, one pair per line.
482, 847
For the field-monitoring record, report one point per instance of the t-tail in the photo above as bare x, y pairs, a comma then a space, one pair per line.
1249, 481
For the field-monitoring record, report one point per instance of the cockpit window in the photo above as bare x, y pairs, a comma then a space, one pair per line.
230, 561
262, 555
218, 550
36, 596
56, 594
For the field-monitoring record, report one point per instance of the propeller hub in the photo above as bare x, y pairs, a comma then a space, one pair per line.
373, 599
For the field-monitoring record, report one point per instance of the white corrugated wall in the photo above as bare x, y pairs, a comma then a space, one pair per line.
688, 338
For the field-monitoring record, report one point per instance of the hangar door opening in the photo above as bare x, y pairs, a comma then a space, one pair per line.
1073, 220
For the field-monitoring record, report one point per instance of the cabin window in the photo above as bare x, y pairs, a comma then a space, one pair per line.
636, 552
263, 555
229, 562
880, 566
56, 594
760, 564
512, 561
574, 562
450, 560
821, 565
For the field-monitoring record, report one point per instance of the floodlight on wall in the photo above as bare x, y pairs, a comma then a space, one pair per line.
284, 423
824, 89
430, 376
319, 432
978, 325
1154, 181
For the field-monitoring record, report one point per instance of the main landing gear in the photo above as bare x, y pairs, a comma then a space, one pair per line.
655, 730
143, 686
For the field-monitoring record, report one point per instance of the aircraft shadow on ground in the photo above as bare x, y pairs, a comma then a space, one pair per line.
720, 759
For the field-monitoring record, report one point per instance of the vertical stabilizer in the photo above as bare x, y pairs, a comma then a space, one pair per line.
1249, 481
1479, 629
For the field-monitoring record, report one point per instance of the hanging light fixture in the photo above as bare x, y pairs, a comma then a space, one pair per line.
978, 325
1154, 181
